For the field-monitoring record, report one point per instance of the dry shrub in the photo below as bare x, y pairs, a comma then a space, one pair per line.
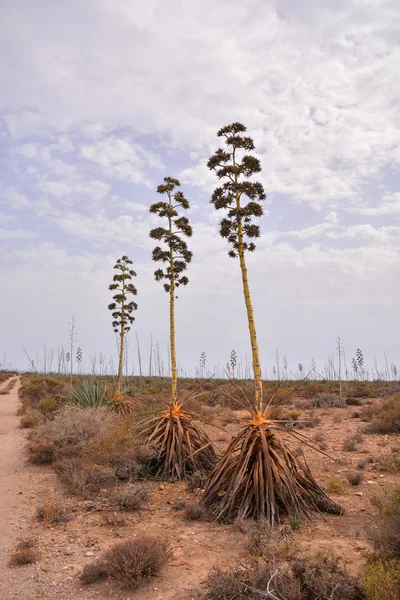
307, 578
25, 556
362, 390
385, 417
390, 463
93, 572
47, 405
82, 477
133, 497
52, 513
141, 462
26, 544
328, 401
194, 512
114, 519
30, 419
35, 388
350, 401
130, 562
350, 445
363, 462
354, 478
71, 432
386, 537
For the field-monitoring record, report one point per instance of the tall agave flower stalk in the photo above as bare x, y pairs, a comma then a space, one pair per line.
258, 476
182, 446
122, 310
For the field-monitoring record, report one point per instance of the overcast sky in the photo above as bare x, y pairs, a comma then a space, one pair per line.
100, 100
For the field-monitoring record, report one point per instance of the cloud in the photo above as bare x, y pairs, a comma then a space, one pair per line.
390, 205
17, 234
122, 159
15, 199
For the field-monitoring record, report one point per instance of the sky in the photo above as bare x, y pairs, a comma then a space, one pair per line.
101, 100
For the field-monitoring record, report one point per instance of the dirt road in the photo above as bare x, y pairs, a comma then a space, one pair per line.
16, 508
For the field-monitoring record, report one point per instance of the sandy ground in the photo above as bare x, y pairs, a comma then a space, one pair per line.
197, 546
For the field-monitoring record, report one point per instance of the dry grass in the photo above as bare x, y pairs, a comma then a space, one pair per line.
131, 562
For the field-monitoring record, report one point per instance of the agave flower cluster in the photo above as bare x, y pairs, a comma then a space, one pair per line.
229, 196
176, 254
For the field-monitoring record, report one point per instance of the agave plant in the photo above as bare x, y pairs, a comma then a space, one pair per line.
87, 394
182, 446
258, 476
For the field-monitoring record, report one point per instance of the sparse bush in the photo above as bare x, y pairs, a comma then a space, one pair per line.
34, 388
71, 428
115, 519
307, 578
82, 477
328, 401
52, 513
47, 405
363, 462
26, 544
350, 401
350, 445
194, 512
179, 503
386, 538
386, 417
130, 562
133, 497
354, 478
390, 463
26, 556
93, 572
334, 486
30, 419
382, 581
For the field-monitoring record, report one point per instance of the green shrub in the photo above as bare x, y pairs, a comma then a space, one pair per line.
382, 581
334, 486
47, 405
